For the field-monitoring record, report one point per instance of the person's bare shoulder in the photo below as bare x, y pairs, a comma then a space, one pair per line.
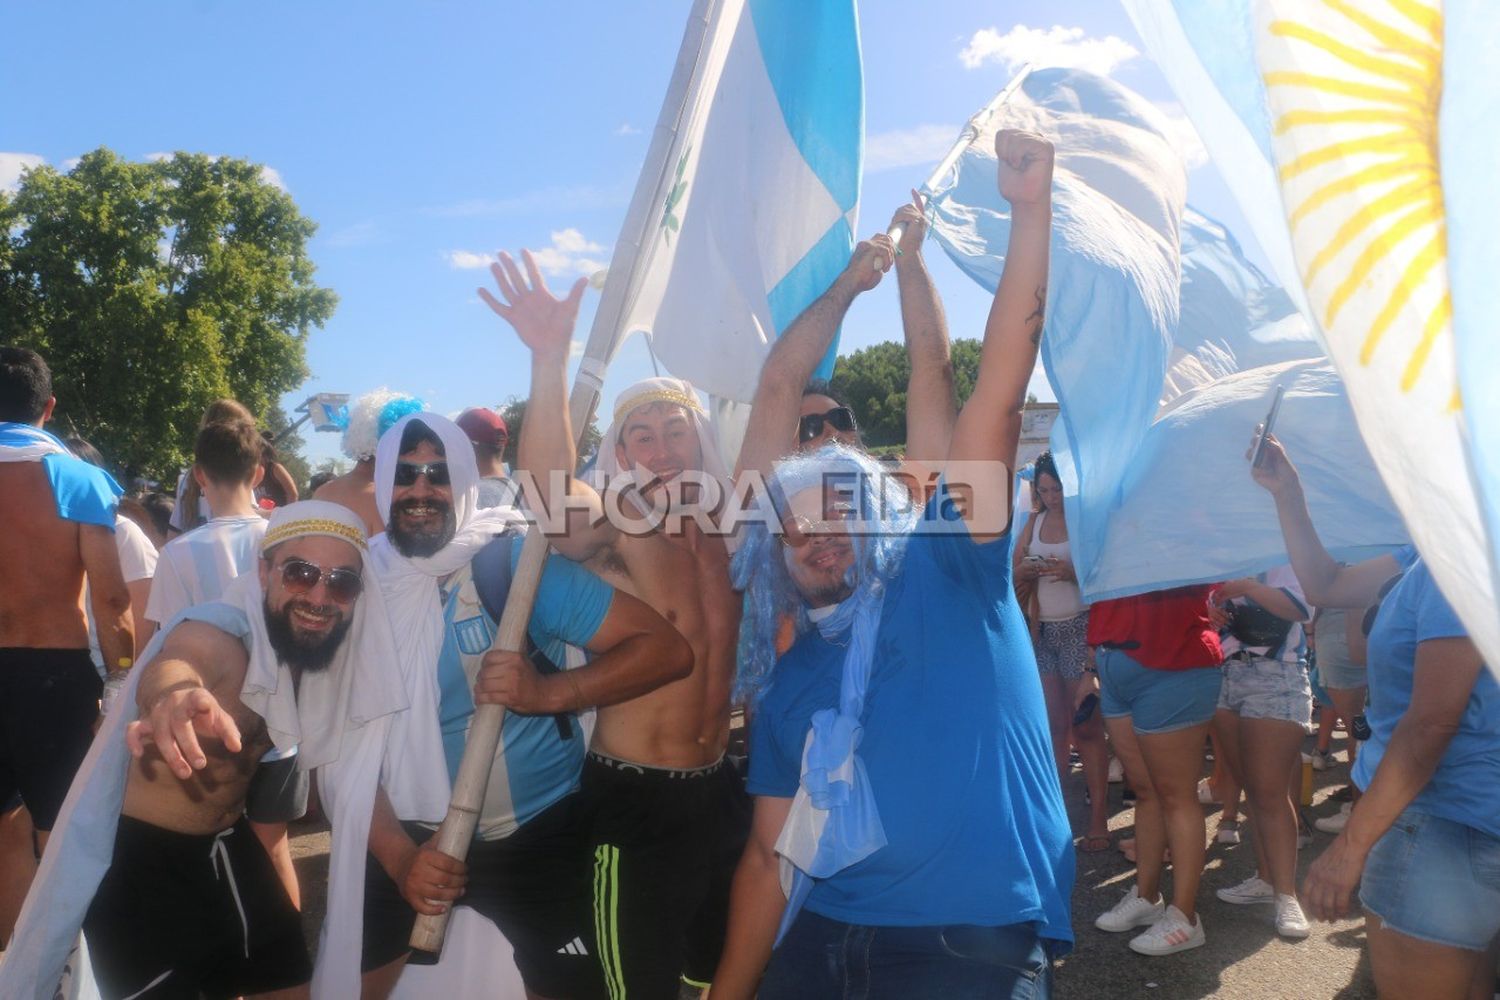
207, 647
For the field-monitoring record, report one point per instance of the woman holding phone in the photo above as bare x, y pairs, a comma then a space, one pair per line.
1047, 587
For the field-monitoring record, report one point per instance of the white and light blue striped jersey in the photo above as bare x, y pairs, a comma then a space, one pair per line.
197, 567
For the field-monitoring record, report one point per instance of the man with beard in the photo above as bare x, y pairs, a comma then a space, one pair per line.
444, 566
369, 416
155, 858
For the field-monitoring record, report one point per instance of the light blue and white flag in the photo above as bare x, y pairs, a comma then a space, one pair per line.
757, 189
1359, 138
1112, 296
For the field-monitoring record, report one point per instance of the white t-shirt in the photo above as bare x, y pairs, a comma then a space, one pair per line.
137, 562
198, 566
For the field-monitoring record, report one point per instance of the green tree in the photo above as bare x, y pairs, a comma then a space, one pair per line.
152, 289
288, 448
513, 412
873, 382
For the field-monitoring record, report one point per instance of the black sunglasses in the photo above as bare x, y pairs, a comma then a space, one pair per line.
408, 472
840, 418
300, 577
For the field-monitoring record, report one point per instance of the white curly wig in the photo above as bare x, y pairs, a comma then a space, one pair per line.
371, 415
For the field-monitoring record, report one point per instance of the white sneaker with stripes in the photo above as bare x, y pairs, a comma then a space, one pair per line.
1169, 935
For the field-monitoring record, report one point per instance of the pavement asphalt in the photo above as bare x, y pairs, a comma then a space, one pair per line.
1243, 958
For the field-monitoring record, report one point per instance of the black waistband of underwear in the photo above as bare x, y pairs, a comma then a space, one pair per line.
1126, 645
652, 771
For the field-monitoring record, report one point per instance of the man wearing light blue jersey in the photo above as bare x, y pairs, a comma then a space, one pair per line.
445, 567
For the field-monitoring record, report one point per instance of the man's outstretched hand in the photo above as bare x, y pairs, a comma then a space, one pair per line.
543, 321
1025, 167
174, 724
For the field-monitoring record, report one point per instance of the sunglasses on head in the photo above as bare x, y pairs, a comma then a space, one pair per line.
840, 418
300, 577
407, 473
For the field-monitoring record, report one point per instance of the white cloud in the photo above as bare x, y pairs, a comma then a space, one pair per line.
627, 129
909, 147
156, 157
11, 165
570, 253
272, 176
71, 162
1054, 46
1183, 135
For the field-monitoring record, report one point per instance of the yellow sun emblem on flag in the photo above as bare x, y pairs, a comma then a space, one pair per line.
1355, 87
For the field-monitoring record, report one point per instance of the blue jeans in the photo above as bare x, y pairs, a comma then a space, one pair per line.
1435, 880
823, 958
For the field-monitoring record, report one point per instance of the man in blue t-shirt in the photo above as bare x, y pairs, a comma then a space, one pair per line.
899, 757
445, 568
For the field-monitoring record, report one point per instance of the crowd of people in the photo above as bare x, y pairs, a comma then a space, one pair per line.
914, 663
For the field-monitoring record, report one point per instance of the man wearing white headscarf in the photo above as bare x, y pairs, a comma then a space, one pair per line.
664, 799
364, 420
445, 566
153, 856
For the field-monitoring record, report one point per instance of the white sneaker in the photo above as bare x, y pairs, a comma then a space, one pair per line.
1169, 935
1129, 913
1290, 923
1253, 890
1228, 833
1336, 822
1116, 771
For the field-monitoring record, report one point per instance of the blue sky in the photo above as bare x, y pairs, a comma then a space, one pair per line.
422, 135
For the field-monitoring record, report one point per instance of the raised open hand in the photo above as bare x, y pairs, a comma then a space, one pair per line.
543, 321
1025, 167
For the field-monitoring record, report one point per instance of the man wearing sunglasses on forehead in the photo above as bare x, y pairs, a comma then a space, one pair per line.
155, 858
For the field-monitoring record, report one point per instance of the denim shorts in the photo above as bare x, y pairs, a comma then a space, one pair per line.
1266, 689
1435, 880
821, 958
1157, 701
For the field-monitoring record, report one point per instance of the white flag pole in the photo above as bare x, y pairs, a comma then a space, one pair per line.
971, 131
620, 289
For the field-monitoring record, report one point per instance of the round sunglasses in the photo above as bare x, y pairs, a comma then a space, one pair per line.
300, 577
840, 418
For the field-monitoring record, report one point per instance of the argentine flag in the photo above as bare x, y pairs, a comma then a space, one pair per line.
1359, 138
753, 186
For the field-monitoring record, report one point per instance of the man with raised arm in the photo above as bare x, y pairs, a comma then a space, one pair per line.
900, 758
59, 518
656, 775
153, 856
445, 568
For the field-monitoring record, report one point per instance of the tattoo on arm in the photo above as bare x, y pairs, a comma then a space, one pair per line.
1038, 315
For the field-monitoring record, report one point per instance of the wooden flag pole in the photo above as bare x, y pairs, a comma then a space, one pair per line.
620, 289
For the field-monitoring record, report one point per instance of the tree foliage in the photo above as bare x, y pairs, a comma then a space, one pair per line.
152, 289
513, 412
873, 380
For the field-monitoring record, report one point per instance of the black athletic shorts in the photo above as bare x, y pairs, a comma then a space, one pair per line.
651, 846
179, 915
49, 702
534, 885
278, 791
728, 830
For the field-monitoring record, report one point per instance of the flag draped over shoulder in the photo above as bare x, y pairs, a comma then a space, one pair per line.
756, 192
1112, 297
1332, 144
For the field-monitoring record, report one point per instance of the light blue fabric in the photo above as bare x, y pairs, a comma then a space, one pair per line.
83, 493
1465, 788
1158, 406
1469, 144
812, 57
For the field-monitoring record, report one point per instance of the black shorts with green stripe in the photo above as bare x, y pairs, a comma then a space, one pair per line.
652, 849
534, 885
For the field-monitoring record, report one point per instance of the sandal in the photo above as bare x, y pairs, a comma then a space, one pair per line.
1094, 845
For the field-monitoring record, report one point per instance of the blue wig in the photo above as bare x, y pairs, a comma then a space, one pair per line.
886, 517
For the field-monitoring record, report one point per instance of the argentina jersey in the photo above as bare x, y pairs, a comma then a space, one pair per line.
539, 757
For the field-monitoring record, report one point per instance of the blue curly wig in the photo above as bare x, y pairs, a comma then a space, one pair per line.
887, 516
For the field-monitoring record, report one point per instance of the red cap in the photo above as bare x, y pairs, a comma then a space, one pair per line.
484, 426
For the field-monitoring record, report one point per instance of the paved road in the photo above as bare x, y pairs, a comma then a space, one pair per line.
1243, 959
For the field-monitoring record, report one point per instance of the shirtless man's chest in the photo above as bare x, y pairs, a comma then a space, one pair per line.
685, 579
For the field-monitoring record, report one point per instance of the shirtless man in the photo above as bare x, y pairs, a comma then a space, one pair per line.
191, 903
656, 772
59, 516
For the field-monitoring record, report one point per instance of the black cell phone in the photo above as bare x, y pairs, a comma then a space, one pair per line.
1265, 428
1085, 708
